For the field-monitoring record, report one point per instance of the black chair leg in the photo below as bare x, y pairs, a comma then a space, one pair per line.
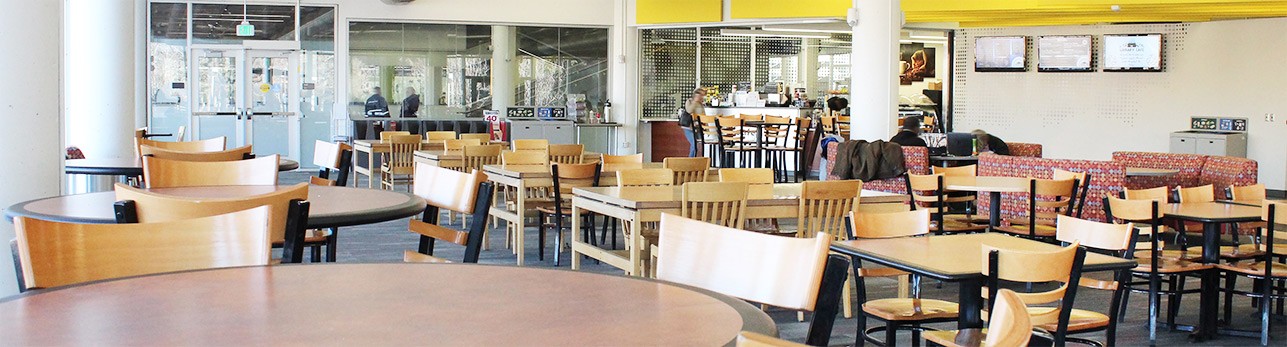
1229, 280
331, 241
315, 252
1173, 300
891, 335
540, 249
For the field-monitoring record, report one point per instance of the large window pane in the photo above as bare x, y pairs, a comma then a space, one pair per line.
218, 23
168, 67
448, 65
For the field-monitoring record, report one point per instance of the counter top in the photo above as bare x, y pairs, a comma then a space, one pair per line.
395, 119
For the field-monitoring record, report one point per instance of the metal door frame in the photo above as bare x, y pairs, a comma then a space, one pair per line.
244, 132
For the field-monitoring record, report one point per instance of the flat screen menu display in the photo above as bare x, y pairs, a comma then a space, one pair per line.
1134, 52
1001, 53
1064, 53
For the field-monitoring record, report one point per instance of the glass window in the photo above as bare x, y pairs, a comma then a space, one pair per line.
213, 23
168, 67
446, 65
555, 62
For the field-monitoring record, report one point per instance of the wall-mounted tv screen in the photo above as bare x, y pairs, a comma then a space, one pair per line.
1133, 52
1064, 53
1001, 53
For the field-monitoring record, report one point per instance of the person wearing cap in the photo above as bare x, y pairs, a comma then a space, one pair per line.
909, 134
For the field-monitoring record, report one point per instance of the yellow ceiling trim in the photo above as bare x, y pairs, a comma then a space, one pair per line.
1000, 13
759, 9
678, 11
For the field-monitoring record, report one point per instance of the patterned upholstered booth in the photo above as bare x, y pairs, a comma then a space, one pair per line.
1195, 170
915, 159
1020, 149
1106, 177
1228, 171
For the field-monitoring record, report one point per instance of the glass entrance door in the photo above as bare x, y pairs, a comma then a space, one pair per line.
248, 96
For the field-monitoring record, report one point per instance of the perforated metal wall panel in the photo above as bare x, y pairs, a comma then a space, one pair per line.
668, 70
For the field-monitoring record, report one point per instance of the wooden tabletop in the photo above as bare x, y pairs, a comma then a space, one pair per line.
1144, 171
986, 184
329, 206
1212, 212
955, 257
133, 166
669, 197
378, 305
439, 154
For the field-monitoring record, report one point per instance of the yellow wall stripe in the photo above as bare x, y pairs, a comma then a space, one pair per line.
754, 9
678, 11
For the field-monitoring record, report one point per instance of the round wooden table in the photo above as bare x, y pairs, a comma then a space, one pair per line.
378, 305
330, 207
132, 166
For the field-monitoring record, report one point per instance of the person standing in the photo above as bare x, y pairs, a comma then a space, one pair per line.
909, 134
411, 104
376, 106
692, 108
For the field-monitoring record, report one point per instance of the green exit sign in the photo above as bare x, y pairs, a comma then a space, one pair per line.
246, 29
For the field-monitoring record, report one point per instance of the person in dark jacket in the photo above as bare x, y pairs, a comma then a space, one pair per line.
376, 106
692, 108
411, 104
990, 143
909, 134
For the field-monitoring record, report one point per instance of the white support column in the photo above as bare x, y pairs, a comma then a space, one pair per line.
31, 122
873, 86
504, 67
100, 63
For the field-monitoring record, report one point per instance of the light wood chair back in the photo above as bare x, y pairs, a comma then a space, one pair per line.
829, 124
402, 154
531, 145
889, 225
751, 117
736, 262
459, 145
1103, 236
748, 175
452, 190
645, 178
477, 156
164, 173
207, 145
730, 129
447, 189
318, 181
566, 154
386, 135
1197, 194
710, 129
234, 154
688, 169
152, 207
569, 176
55, 254
719, 203
623, 159
1132, 210
1009, 324
1049, 198
1062, 265
1060, 174
824, 206
842, 125
1159, 194
1254, 194
330, 155
753, 339
526, 157
482, 138
440, 135
967, 170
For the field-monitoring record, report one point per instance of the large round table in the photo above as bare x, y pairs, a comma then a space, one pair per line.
133, 166
379, 305
329, 207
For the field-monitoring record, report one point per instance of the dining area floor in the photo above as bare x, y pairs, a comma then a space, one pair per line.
385, 243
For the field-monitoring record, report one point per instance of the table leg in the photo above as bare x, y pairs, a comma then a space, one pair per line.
576, 236
759, 145
520, 222
994, 210
971, 315
1209, 305
370, 169
637, 243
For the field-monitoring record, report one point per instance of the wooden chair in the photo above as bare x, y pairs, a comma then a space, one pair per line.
719, 203
440, 135
1206, 193
968, 199
736, 148
482, 138
399, 164
1009, 325
1159, 194
52, 254
748, 175
900, 313
1082, 180
789, 149
1252, 194
566, 154
288, 214
459, 144
239, 153
1264, 271
385, 136
333, 156
929, 192
707, 136
1112, 239
824, 205
800, 276
454, 191
526, 157
318, 181
646, 178
752, 339
163, 173
553, 213
1062, 266
531, 145
207, 145
623, 159
842, 126
828, 124
1156, 266
477, 156
1046, 200
967, 170
1196, 194
688, 169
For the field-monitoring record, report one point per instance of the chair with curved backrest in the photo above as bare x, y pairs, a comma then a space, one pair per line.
164, 173
966, 170
207, 145
475, 157
399, 164
1202, 194
623, 159
1263, 270
482, 138
440, 135
526, 157
1254, 194
386, 135
707, 136
736, 146
757, 177
1196, 194
531, 145
318, 181
333, 156
822, 210
1062, 266
52, 254
788, 145
1113, 239
454, 191
828, 124
688, 169
957, 197
1161, 194
842, 126
459, 144
234, 154
285, 223
800, 276
902, 312
1009, 325
1046, 200
566, 177
1082, 180
719, 203
566, 154
929, 192
646, 178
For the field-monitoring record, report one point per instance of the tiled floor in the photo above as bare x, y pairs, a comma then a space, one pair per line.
385, 242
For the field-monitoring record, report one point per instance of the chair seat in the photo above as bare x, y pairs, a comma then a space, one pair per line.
908, 309
1040, 230
1254, 268
957, 338
1169, 265
1078, 320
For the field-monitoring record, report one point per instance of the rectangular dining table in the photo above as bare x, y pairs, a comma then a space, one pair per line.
455, 158
1212, 215
369, 148
638, 205
957, 258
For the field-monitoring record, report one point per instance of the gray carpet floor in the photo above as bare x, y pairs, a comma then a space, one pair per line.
385, 242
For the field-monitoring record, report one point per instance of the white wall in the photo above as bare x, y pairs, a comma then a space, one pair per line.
1229, 68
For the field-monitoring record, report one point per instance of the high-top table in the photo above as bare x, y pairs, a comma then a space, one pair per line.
637, 205
369, 149
378, 305
1212, 215
133, 166
329, 207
